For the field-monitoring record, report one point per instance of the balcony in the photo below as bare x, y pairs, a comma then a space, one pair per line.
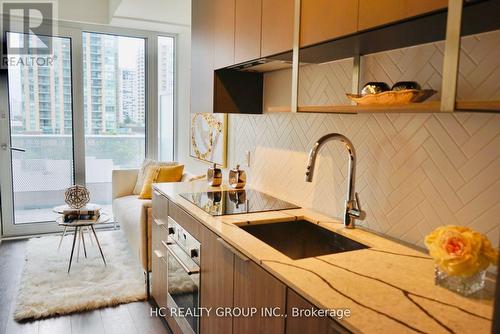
44, 171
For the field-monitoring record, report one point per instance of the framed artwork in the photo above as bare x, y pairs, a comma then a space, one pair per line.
209, 138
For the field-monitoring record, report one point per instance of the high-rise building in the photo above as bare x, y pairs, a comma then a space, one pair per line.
114, 93
141, 88
101, 70
165, 66
128, 97
45, 94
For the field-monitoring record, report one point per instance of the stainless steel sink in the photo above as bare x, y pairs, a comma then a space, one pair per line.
302, 239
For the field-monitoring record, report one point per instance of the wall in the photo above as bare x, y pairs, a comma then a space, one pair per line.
414, 172
91, 11
172, 12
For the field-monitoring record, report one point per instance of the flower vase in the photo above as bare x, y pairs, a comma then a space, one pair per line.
464, 285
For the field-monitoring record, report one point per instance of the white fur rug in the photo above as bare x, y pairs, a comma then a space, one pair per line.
46, 289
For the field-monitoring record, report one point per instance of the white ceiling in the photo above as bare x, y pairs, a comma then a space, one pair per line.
174, 12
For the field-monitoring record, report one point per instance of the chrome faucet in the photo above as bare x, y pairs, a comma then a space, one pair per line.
352, 210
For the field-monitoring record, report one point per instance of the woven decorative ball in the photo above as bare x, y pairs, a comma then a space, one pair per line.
77, 196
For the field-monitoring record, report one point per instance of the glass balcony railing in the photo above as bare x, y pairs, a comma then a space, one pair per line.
103, 154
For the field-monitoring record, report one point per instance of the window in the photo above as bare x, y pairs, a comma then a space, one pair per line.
166, 98
110, 92
115, 125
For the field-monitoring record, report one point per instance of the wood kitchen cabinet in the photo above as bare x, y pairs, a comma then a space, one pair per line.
277, 26
158, 260
228, 279
300, 325
223, 32
255, 287
247, 30
376, 13
217, 267
202, 56
322, 20
158, 264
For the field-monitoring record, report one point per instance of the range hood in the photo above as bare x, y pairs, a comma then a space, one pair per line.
265, 64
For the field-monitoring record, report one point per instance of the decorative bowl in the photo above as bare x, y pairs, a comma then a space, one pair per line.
403, 85
390, 98
374, 87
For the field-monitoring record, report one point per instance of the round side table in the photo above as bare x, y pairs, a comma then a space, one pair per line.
79, 226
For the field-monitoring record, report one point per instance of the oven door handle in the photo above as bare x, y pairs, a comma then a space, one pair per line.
188, 270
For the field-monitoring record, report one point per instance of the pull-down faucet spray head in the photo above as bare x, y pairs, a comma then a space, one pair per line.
311, 162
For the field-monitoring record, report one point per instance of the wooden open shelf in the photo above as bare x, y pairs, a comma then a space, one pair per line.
425, 107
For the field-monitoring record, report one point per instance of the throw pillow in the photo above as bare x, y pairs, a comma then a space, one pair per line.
151, 174
169, 174
142, 172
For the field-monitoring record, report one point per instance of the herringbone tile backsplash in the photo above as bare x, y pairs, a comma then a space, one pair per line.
415, 172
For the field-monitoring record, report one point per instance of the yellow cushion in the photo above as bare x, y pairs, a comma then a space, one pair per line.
151, 174
170, 174
157, 174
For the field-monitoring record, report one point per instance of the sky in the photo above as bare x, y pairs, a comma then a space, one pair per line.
128, 48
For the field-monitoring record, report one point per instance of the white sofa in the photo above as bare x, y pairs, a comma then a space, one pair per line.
133, 214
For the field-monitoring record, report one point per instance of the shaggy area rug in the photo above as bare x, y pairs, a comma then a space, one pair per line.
46, 289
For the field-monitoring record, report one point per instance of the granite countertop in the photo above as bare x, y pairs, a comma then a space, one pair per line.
388, 287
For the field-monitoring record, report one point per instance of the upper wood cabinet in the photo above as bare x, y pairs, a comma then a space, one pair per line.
414, 8
202, 56
224, 12
322, 20
247, 30
380, 12
277, 26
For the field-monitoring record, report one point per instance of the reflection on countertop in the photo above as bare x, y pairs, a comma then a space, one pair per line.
236, 201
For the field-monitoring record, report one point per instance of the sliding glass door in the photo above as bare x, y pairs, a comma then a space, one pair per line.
74, 119
37, 145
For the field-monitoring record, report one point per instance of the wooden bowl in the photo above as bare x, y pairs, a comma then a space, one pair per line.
391, 98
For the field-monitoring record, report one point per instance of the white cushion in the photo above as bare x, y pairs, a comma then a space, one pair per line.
142, 172
131, 213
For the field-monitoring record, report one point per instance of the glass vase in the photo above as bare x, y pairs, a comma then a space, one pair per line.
464, 285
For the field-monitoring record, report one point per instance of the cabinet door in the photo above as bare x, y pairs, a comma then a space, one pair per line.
217, 264
159, 206
202, 56
247, 30
158, 263
300, 325
322, 20
254, 287
277, 26
376, 13
414, 8
223, 33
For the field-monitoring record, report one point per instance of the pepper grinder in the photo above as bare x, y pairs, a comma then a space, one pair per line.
237, 177
214, 176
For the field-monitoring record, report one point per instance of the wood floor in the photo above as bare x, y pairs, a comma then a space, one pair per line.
123, 319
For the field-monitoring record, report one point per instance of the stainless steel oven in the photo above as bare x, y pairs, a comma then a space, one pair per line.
183, 281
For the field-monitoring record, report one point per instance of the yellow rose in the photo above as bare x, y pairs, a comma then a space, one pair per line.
460, 251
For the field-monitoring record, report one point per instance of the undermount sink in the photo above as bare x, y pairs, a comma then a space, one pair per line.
302, 239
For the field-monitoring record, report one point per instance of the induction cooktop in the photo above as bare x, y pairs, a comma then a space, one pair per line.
232, 202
